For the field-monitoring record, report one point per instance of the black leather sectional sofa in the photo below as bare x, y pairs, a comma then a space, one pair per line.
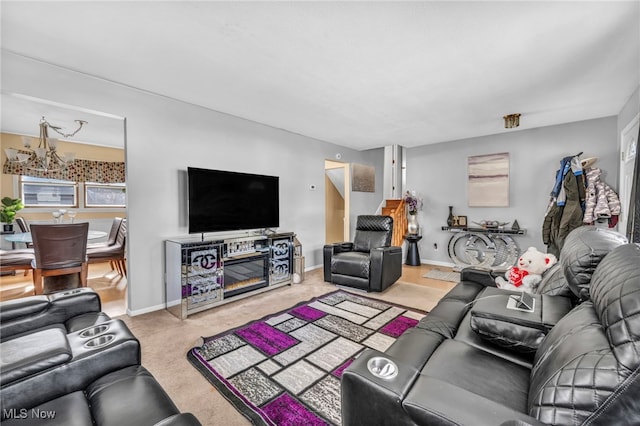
64, 362
574, 360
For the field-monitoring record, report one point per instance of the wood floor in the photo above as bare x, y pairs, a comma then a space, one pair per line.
112, 287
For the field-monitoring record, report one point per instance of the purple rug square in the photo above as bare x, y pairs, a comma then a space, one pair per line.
307, 313
338, 371
287, 411
266, 338
398, 326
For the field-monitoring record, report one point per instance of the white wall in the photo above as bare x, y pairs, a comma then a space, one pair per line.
439, 173
629, 110
164, 137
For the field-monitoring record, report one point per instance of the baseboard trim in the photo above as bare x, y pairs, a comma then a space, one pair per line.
437, 263
133, 313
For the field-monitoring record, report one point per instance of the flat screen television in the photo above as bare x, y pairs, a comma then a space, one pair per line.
230, 201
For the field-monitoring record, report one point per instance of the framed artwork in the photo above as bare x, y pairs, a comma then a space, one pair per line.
488, 180
459, 222
363, 178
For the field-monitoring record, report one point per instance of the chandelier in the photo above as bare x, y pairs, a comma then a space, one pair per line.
44, 158
511, 121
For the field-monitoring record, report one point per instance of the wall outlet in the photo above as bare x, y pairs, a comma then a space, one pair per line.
435, 246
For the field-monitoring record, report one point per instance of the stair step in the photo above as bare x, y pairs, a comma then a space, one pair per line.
393, 203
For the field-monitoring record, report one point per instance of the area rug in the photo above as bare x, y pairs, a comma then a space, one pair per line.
437, 274
285, 368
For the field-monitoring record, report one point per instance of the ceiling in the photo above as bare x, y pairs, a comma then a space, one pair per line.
358, 74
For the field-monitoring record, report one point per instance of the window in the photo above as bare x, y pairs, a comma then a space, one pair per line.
104, 195
38, 192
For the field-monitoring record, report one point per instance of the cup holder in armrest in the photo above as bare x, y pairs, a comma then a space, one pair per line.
100, 341
382, 367
94, 331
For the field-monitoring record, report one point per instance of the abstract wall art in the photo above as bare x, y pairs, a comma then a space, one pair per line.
488, 180
363, 178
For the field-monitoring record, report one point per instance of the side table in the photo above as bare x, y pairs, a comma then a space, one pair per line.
483, 247
413, 256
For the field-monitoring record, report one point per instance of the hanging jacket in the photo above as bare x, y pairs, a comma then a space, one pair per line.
602, 202
566, 207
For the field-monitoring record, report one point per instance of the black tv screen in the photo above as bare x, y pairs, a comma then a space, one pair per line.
230, 201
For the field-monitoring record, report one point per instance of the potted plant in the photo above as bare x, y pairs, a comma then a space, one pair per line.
413, 203
10, 207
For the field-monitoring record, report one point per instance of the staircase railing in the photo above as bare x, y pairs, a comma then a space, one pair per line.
397, 210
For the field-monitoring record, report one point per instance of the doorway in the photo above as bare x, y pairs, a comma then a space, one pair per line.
628, 153
336, 184
103, 139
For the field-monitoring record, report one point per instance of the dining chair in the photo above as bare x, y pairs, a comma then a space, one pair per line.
113, 234
24, 227
59, 250
16, 260
114, 252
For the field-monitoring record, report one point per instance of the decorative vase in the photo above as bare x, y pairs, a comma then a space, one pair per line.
450, 218
413, 227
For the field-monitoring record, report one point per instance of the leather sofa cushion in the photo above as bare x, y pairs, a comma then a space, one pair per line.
130, 396
554, 283
30, 314
20, 308
583, 250
615, 295
517, 330
414, 347
353, 263
445, 317
372, 231
574, 370
70, 409
435, 402
466, 335
33, 353
465, 291
473, 370
365, 241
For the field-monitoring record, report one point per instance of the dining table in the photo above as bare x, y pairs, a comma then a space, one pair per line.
25, 237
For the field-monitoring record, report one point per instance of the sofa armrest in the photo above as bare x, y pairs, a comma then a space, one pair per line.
486, 277
359, 388
328, 251
386, 267
36, 312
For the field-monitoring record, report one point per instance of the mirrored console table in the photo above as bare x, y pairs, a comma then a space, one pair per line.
204, 273
491, 248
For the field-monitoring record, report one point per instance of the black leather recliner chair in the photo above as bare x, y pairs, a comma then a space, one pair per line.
369, 262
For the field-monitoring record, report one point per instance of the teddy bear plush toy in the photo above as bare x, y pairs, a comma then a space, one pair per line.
527, 272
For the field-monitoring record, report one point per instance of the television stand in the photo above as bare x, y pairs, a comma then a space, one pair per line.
204, 273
